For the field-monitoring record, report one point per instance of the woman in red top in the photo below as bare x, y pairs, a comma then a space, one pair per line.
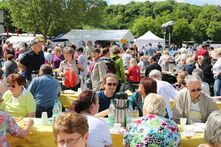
133, 74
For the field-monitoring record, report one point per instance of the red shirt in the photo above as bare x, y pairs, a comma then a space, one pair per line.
201, 52
134, 74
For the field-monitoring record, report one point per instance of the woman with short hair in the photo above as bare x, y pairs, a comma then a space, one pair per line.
57, 57
88, 105
69, 69
153, 129
212, 134
70, 129
18, 101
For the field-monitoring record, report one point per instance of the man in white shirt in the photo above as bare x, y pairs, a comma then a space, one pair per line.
164, 89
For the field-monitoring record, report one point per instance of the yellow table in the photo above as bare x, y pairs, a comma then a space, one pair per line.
193, 141
40, 136
172, 104
67, 99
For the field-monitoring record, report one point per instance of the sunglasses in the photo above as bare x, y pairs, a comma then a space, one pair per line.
112, 84
12, 86
194, 90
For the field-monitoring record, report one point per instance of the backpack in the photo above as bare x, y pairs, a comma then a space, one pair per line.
110, 65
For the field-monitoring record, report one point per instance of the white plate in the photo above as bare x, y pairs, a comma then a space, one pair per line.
69, 92
199, 127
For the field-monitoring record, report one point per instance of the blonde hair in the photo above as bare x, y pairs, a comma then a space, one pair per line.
70, 122
181, 77
154, 104
133, 62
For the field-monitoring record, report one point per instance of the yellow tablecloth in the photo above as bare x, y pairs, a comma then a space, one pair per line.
217, 103
67, 99
194, 141
40, 136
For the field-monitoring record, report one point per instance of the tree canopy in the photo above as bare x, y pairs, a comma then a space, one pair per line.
54, 16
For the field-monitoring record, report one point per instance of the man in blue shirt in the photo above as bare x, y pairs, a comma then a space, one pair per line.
45, 90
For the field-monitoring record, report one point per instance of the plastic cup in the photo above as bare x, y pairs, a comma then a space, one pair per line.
117, 128
183, 121
44, 118
189, 131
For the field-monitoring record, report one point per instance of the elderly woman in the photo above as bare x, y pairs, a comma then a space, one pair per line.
191, 103
57, 57
9, 126
88, 105
18, 101
70, 129
105, 96
212, 134
153, 129
133, 73
69, 69
146, 86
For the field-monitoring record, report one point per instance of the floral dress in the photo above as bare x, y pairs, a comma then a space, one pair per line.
7, 125
152, 131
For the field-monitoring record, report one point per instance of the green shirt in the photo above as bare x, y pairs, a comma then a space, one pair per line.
18, 107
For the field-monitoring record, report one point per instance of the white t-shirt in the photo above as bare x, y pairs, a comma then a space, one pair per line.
99, 134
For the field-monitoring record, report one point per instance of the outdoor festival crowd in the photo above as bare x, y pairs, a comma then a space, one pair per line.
33, 76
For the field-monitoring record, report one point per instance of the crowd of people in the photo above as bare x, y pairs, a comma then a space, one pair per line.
36, 76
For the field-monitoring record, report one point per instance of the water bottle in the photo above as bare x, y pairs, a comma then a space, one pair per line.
57, 109
129, 115
111, 115
136, 112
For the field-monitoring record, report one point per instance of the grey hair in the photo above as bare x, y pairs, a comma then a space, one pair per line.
212, 134
198, 72
192, 78
154, 104
155, 74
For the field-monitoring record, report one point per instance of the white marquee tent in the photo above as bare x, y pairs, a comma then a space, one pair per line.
17, 40
76, 36
149, 37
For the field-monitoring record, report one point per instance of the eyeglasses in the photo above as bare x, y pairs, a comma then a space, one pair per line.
12, 86
69, 141
112, 84
194, 90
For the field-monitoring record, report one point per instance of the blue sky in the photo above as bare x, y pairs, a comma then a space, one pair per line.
196, 2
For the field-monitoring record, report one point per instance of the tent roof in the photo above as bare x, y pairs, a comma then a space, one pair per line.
149, 36
17, 40
104, 35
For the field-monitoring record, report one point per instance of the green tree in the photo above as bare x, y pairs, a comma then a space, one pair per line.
43, 16
214, 31
181, 31
142, 25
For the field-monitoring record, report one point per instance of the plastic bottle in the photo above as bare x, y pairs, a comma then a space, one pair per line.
129, 115
136, 112
57, 109
111, 115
